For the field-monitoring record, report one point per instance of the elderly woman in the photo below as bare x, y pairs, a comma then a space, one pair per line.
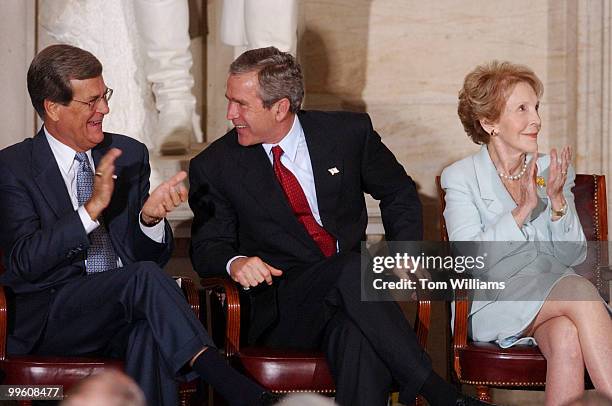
508, 192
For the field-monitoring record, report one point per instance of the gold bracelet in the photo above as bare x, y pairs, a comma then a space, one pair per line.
559, 213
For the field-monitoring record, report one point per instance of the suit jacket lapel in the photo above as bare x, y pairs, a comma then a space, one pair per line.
260, 182
492, 190
328, 170
48, 177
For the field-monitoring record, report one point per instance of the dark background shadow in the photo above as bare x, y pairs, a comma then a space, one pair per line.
350, 64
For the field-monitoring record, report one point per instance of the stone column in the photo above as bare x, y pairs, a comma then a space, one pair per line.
17, 48
594, 89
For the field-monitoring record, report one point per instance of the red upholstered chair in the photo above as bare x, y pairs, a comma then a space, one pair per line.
67, 371
279, 370
487, 365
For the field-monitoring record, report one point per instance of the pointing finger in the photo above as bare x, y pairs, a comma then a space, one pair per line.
178, 178
274, 271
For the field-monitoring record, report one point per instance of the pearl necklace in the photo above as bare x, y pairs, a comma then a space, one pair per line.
518, 175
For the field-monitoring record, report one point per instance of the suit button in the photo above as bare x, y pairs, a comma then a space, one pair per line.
52, 290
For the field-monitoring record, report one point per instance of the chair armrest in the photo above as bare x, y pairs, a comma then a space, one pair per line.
460, 330
3, 323
220, 285
422, 321
191, 294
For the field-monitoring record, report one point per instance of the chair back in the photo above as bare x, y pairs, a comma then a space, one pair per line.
591, 205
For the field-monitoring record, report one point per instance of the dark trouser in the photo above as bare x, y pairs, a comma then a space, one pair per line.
137, 313
368, 344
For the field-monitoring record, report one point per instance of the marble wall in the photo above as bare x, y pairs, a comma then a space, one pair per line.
403, 62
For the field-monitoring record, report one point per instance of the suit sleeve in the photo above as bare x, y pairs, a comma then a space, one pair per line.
568, 243
214, 228
386, 180
33, 251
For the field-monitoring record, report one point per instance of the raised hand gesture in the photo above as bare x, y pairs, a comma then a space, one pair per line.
104, 184
557, 175
165, 198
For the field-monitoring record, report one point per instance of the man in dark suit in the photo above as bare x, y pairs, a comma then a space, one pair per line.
83, 252
279, 206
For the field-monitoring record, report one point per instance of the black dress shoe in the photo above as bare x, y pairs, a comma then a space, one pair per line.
269, 399
464, 400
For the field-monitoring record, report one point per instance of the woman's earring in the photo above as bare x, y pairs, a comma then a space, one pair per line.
493, 134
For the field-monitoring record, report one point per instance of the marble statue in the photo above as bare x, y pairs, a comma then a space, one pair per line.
144, 48
249, 24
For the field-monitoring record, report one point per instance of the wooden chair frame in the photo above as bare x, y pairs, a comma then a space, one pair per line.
225, 290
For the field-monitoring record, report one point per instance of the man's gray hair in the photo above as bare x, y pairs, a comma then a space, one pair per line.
278, 73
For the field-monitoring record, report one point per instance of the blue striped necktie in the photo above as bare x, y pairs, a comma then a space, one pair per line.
100, 254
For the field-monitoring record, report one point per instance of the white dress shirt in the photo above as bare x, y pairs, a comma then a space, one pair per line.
65, 158
296, 158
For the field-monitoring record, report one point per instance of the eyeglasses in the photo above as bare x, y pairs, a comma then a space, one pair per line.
94, 103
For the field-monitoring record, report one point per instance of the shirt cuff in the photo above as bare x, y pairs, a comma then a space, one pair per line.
157, 232
227, 267
88, 224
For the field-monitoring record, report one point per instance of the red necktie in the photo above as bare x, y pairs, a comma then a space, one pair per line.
299, 204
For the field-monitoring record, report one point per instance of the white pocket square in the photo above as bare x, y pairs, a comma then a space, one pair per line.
333, 170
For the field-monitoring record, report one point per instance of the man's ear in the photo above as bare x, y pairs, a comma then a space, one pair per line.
281, 109
52, 109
